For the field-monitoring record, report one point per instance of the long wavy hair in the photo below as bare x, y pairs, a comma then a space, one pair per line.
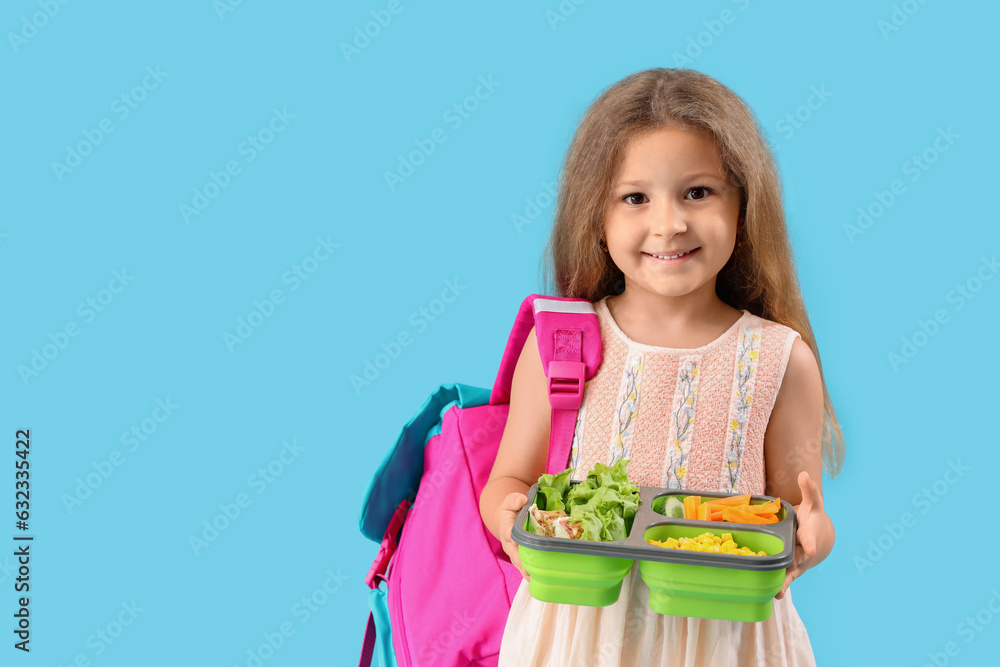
760, 276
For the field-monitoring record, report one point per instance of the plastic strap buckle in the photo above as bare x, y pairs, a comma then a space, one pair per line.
389, 542
566, 384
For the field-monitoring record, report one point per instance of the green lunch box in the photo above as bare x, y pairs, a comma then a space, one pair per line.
681, 583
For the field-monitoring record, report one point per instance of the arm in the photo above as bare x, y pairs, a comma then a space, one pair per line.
793, 457
523, 449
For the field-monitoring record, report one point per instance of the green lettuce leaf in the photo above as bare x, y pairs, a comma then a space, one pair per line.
552, 489
605, 503
580, 494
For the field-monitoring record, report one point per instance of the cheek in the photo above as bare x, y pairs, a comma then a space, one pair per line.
620, 235
731, 235
725, 228
721, 230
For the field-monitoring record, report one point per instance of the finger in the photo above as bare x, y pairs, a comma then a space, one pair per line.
514, 501
508, 513
516, 562
513, 555
790, 576
799, 536
807, 499
805, 564
792, 573
799, 557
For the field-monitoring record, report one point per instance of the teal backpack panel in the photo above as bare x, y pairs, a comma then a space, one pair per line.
398, 477
384, 655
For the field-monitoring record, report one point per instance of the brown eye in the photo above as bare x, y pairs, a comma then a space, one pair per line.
701, 190
628, 199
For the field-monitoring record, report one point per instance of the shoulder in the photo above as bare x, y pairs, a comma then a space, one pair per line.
528, 372
777, 343
800, 390
772, 328
802, 370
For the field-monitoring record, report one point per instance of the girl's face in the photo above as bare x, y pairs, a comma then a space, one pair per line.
671, 222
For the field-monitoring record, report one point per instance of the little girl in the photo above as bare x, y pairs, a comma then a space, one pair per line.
670, 220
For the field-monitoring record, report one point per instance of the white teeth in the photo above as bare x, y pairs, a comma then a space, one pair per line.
671, 256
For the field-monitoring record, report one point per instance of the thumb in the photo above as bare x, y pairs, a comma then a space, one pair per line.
513, 502
811, 498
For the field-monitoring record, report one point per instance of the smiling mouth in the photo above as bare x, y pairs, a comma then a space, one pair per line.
677, 255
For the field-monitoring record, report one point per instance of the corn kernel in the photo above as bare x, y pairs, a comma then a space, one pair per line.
707, 543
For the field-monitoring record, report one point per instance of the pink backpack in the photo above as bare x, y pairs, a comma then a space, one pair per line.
441, 584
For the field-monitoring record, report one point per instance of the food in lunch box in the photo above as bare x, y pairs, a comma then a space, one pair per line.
554, 523
708, 543
601, 508
734, 509
673, 507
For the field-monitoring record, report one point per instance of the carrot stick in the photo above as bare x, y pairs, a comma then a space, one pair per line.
691, 504
738, 516
763, 508
730, 501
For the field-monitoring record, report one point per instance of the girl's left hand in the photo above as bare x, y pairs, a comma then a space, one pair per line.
814, 537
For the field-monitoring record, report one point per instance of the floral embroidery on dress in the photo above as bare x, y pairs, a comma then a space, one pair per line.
747, 351
628, 408
685, 404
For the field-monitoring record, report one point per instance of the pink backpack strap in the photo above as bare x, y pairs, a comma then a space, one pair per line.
569, 344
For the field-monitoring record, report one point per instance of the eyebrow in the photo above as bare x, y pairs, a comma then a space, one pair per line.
642, 183
636, 183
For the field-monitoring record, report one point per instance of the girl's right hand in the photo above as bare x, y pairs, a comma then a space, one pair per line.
509, 508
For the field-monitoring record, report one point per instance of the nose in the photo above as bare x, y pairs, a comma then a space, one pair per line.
669, 219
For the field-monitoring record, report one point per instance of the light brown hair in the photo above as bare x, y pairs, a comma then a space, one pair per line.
760, 276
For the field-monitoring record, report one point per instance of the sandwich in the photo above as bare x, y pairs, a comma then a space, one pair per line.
554, 523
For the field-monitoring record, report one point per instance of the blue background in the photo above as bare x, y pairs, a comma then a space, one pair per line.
163, 336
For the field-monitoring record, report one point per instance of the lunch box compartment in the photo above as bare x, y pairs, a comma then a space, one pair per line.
704, 586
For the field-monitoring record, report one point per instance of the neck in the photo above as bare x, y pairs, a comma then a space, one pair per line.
648, 308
